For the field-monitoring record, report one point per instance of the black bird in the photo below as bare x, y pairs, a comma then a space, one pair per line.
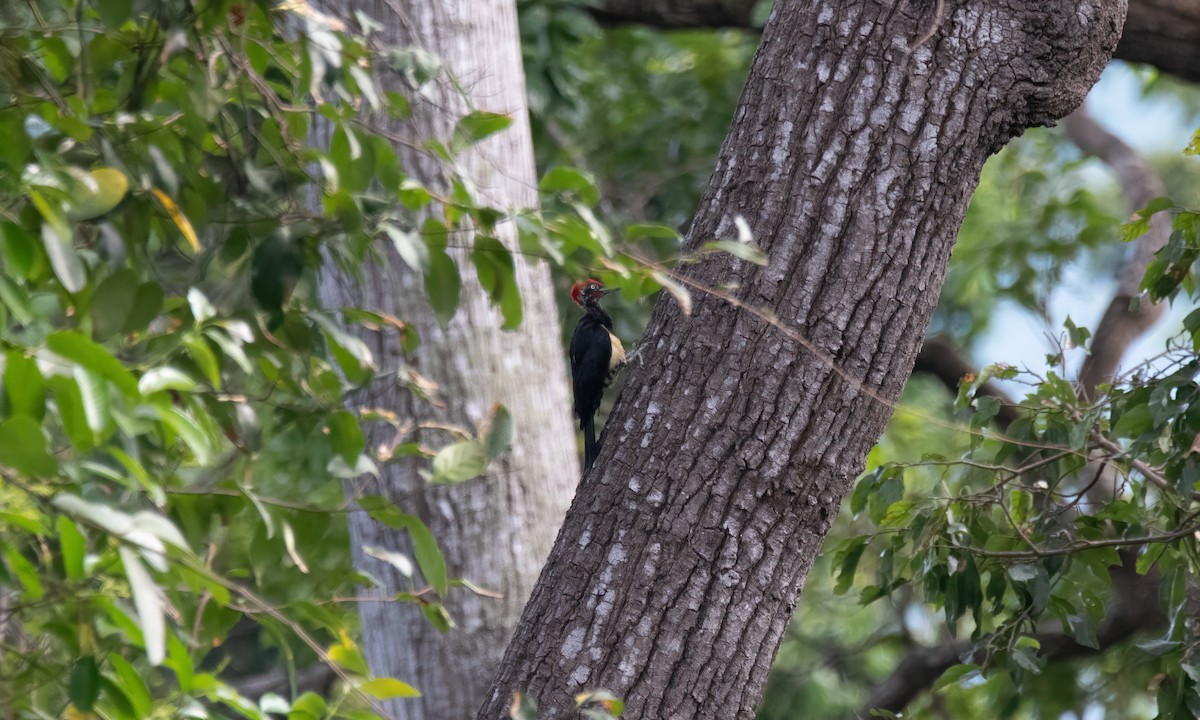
596, 357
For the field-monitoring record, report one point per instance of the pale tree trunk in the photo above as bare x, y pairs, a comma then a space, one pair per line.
852, 157
495, 530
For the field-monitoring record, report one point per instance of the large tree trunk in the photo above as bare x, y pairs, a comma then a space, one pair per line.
495, 530
852, 156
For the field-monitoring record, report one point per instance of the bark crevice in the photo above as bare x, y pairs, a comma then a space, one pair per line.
853, 167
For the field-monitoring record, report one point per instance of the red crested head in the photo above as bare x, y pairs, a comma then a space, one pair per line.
587, 290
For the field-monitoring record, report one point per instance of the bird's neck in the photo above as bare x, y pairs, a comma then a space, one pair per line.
592, 309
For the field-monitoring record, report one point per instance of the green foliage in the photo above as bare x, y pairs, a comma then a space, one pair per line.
1014, 537
1033, 212
172, 434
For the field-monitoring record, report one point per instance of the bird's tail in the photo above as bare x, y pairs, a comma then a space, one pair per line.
590, 447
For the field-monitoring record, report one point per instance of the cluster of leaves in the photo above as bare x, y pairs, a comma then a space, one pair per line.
1033, 213
173, 442
1043, 530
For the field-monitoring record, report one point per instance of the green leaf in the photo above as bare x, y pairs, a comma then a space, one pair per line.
459, 461
205, 358
117, 705
191, 432
442, 285
97, 402
349, 656
24, 386
82, 351
147, 600
954, 675
16, 299
17, 248
165, 378
147, 301
740, 250
23, 447
438, 616
346, 436
1134, 422
1020, 504
499, 433
849, 557
131, 683
72, 546
425, 549
650, 230
1023, 573
114, 13
25, 571
63, 258
897, 514
353, 355
1083, 630
96, 193
72, 413
84, 686
497, 274
112, 304
388, 688
409, 246
413, 195
567, 179
475, 126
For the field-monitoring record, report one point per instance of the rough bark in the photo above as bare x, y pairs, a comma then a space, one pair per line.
852, 157
1162, 33
495, 530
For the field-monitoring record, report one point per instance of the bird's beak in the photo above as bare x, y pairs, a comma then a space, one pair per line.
606, 291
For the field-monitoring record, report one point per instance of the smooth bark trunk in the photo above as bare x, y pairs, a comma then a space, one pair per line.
853, 153
494, 530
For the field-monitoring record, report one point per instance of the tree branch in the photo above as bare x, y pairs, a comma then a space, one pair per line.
1165, 34
676, 14
1162, 33
1135, 610
1140, 184
314, 678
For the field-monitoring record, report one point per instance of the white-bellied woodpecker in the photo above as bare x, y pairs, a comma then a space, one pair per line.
596, 357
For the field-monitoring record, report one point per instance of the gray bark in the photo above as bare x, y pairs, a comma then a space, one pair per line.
852, 157
495, 530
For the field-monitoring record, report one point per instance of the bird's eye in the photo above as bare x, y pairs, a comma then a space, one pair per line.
594, 286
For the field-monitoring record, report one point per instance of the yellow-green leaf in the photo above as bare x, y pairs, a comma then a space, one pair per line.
99, 192
388, 688
181, 221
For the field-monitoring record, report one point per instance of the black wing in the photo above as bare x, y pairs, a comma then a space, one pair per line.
590, 351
